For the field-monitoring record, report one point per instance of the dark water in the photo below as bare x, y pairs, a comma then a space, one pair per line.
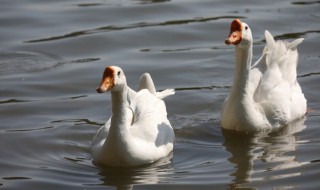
52, 55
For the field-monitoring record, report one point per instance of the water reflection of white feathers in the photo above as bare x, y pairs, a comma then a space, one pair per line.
253, 155
126, 178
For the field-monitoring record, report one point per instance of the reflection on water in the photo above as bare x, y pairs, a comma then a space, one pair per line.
273, 150
126, 178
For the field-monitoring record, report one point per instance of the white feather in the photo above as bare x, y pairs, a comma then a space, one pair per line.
269, 96
141, 134
146, 82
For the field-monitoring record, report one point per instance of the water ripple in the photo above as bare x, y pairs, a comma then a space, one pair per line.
15, 178
30, 129
132, 26
202, 87
296, 35
10, 101
305, 2
21, 61
89, 4
78, 122
187, 49
309, 74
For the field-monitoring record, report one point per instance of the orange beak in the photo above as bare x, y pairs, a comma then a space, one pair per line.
235, 35
107, 81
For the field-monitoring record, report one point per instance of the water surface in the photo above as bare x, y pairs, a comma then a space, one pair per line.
53, 53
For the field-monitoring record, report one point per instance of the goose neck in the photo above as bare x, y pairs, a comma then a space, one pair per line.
243, 66
119, 120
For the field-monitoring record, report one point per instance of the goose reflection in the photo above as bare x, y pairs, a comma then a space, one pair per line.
126, 178
253, 154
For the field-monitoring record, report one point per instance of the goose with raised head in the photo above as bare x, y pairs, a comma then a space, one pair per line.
138, 132
267, 95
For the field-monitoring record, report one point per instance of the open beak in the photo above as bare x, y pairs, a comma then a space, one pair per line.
235, 35
107, 81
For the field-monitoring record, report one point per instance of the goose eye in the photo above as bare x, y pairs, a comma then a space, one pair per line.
246, 27
119, 73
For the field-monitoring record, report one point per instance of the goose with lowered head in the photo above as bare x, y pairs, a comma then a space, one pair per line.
267, 95
138, 132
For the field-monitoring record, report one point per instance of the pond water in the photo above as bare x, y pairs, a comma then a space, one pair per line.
52, 56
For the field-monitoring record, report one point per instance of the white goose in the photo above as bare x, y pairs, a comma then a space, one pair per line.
138, 132
267, 95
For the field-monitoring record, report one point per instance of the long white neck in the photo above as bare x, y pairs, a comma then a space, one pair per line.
118, 135
120, 104
241, 75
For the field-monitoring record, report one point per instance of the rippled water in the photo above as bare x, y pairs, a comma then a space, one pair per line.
52, 55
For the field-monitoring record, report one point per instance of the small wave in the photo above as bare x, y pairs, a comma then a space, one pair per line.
30, 129
78, 122
305, 2
132, 26
21, 61
188, 88
309, 74
15, 178
10, 101
296, 35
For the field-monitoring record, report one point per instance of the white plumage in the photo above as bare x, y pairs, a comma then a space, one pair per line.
267, 95
138, 132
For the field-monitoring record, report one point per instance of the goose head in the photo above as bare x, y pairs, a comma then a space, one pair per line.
113, 79
240, 34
